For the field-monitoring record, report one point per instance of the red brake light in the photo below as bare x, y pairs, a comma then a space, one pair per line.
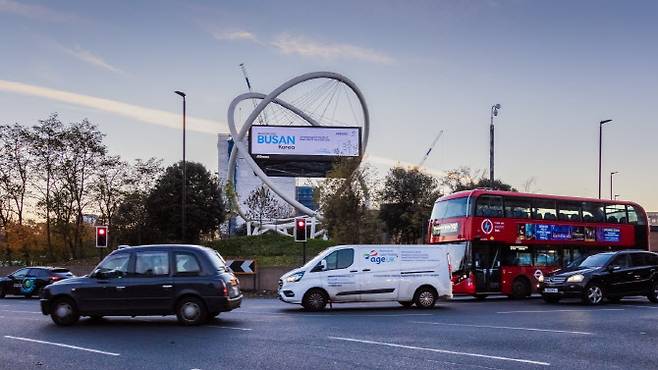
55, 278
223, 289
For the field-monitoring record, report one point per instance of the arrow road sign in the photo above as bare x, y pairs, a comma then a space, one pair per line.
242, 267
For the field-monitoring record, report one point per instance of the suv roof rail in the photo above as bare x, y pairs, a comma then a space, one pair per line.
123, 246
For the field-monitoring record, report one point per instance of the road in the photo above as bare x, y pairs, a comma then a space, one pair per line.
268, 334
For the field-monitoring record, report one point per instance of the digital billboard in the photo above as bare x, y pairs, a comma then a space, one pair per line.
302, 151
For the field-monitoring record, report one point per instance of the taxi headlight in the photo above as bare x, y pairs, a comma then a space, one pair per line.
575, 278
295, 277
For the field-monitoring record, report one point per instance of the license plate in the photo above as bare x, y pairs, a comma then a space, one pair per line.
18, 285
550, 290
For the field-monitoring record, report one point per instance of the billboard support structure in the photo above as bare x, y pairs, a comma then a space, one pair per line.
273, 97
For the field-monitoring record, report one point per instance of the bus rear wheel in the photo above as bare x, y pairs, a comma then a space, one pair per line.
520, 288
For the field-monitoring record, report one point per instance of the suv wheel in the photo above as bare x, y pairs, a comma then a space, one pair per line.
314, 300
653, 293
425, 298
64, 312
593, 294
191, 311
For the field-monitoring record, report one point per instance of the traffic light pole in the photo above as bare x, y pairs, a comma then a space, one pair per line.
304, 254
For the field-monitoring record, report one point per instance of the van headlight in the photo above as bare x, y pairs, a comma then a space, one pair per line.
575, 278
295, 277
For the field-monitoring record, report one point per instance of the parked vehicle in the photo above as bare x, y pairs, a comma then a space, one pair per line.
611, 275
29, 281
189, 281
410, 274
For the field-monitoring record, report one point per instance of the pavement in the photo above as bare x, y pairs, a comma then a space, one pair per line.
268, 334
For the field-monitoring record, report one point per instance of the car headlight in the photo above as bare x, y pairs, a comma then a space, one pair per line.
295, 277
575, 278
541, 278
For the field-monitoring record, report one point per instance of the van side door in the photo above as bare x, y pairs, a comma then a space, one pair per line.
339, 278
379, 274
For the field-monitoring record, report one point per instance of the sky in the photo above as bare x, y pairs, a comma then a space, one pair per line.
556, 67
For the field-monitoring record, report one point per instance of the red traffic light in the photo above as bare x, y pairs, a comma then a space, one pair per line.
101, 236
301, 223
101, 231
300, 230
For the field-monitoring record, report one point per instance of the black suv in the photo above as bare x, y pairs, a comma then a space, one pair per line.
29, 281
190, 281
611, 275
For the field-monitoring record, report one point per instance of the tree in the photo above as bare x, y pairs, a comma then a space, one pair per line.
47, 149
14, 167
85, 151
109, 189
464, 178
344, 199
204, 206
263, 204
407, 198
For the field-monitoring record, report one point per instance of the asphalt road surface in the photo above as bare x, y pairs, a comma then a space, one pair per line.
268, 334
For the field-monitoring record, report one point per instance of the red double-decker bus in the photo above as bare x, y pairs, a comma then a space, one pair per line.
503, 242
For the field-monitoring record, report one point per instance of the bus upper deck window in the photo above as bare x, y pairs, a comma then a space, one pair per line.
544, 209
489, 206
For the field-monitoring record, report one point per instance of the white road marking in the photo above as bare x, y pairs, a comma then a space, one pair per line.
17, 311
465, 365
638, 306
436, 350
506, 327
329, 313
20, 318
62, 345
543, 311
229, 327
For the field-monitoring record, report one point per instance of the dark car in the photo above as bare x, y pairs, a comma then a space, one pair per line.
610, 275
29, 281
189, 281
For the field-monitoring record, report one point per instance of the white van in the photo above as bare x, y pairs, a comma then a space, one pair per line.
409, 274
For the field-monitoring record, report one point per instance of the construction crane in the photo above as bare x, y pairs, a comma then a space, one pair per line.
243, 68
436, 139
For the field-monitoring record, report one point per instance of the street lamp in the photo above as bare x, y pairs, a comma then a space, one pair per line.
600, 149
611, 175
182, 94
494, 112
616, 196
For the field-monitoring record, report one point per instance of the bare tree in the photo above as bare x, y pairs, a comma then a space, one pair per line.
14, 166
109, 188
262, 204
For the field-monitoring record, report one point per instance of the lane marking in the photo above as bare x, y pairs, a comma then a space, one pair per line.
543, 311
229, 327
17, 311
464, 365
63, 345
506, 327
638, 306
436, 350
330, 314
20, 318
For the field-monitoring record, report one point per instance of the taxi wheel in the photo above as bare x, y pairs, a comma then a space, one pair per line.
593, 294
653, 294
64, 312
314, 300
406, 304
191, 311
425, 297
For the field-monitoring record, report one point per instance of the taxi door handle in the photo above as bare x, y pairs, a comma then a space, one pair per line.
365, 270
354, 270
121, 287
167, 286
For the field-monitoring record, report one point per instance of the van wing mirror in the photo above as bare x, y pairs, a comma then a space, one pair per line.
323, 264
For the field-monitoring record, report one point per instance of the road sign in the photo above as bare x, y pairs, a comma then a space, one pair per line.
242, 267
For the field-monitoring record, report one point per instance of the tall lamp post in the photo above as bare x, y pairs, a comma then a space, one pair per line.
611, 192
182, 94
601, 150
494, 112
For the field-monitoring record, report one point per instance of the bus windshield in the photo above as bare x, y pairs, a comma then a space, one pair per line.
450, 208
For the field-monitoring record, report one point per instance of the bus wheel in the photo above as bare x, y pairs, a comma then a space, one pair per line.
520, 288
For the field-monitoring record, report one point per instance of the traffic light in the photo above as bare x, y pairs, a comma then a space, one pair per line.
300, 229
101, 236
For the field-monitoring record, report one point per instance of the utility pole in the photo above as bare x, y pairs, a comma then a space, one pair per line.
184, 195
494, 112
601, 149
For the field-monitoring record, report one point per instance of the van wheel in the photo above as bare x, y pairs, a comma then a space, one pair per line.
549, 299
653, 293
406, 304
191, 311
314, 300
593, 294
425, 297
64, 312
520, 288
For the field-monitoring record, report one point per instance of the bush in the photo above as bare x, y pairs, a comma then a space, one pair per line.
269, 249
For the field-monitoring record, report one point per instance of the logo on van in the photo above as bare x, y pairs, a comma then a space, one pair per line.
375, 257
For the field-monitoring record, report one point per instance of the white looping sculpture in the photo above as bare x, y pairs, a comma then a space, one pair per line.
238, 137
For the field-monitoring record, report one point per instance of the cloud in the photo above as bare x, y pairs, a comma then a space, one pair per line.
305, 47
37, 12
234, 36
389, 163
91, 58
147, 115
